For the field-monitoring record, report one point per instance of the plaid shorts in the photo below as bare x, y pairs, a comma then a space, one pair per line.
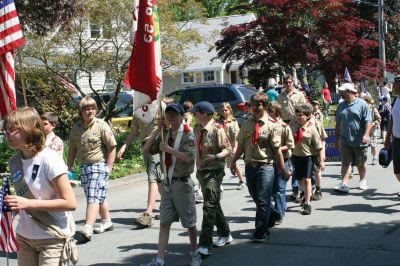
94, 178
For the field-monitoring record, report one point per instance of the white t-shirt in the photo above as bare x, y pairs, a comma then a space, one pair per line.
396, 118
50, 165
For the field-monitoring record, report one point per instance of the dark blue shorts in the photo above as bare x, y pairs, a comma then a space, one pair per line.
303, 167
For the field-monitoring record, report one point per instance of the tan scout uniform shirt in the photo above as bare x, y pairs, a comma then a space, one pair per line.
289, 102
318, 116
286, 137
145, 131
214, 141
231, 127
187, 146
311, 141
268, 140
92, 142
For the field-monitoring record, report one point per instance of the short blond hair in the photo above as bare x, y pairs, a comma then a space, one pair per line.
27, 119
86, 102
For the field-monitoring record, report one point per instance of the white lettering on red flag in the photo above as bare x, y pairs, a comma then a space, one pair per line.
144, 72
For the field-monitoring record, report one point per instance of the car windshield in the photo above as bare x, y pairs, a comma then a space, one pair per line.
247, 91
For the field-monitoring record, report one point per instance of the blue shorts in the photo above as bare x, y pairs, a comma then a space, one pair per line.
303, 167
94, 178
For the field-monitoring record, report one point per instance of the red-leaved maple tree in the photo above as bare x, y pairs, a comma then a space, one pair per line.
324, 35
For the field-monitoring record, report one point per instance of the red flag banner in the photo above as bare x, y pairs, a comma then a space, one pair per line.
144, 72
10, 38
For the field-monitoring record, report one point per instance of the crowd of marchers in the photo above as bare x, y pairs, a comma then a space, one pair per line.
282, 139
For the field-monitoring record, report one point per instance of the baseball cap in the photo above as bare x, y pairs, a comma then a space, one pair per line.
204, 107
348, 87
176, 107
314, 102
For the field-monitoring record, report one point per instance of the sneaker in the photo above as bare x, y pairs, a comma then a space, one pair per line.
154, 262
223, 240
144, 219
300, 199
204, 251
306, 209
260, 239
86, 234
198, 197
103, 227
374, 161
196, 259
295, 195
343, 188
241, 186
317, 195
363, 184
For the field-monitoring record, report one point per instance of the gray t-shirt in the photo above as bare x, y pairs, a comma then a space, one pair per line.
352, 118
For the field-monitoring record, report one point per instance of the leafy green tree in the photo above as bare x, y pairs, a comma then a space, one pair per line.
216, 8
98, 39
41, 17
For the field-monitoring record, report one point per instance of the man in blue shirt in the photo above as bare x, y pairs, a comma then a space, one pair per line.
353, 126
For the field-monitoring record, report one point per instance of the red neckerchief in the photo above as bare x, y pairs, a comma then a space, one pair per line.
200, 142
168, 156
254, 139
298, 135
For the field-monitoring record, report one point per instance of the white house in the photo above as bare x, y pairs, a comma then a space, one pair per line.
205, 70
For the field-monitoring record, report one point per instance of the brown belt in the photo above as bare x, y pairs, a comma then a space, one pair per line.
257, 164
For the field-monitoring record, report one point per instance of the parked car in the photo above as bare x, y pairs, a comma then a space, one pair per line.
236, 94
123, 108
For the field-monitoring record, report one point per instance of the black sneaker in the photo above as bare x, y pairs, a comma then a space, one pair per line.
306, 209
295, 195
300, 199
260, 239
317, 195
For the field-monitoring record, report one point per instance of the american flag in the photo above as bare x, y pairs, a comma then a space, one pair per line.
10, 38
8, 243
347, 77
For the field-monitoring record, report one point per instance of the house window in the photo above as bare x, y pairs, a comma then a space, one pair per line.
95, 31
208, 76
188, 77
103, 31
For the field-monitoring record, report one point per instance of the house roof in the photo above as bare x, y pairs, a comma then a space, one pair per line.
210, 32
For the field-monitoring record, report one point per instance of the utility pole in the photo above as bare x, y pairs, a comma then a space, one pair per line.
381, 32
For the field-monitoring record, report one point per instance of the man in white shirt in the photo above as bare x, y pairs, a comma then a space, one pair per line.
384, 91
393, 132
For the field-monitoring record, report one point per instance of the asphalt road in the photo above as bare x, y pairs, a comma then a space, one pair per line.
361, 228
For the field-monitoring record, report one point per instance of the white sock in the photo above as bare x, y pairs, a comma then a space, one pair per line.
160, 261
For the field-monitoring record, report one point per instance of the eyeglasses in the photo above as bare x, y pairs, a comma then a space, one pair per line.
10, 131
288, 82
271, 110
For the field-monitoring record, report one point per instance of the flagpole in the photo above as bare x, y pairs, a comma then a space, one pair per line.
22, 75
162, 159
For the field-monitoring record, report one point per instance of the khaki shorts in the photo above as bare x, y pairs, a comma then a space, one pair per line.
374, 137
353, 155
179, 204
317, 163
228, 161
43, 252
152, 163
